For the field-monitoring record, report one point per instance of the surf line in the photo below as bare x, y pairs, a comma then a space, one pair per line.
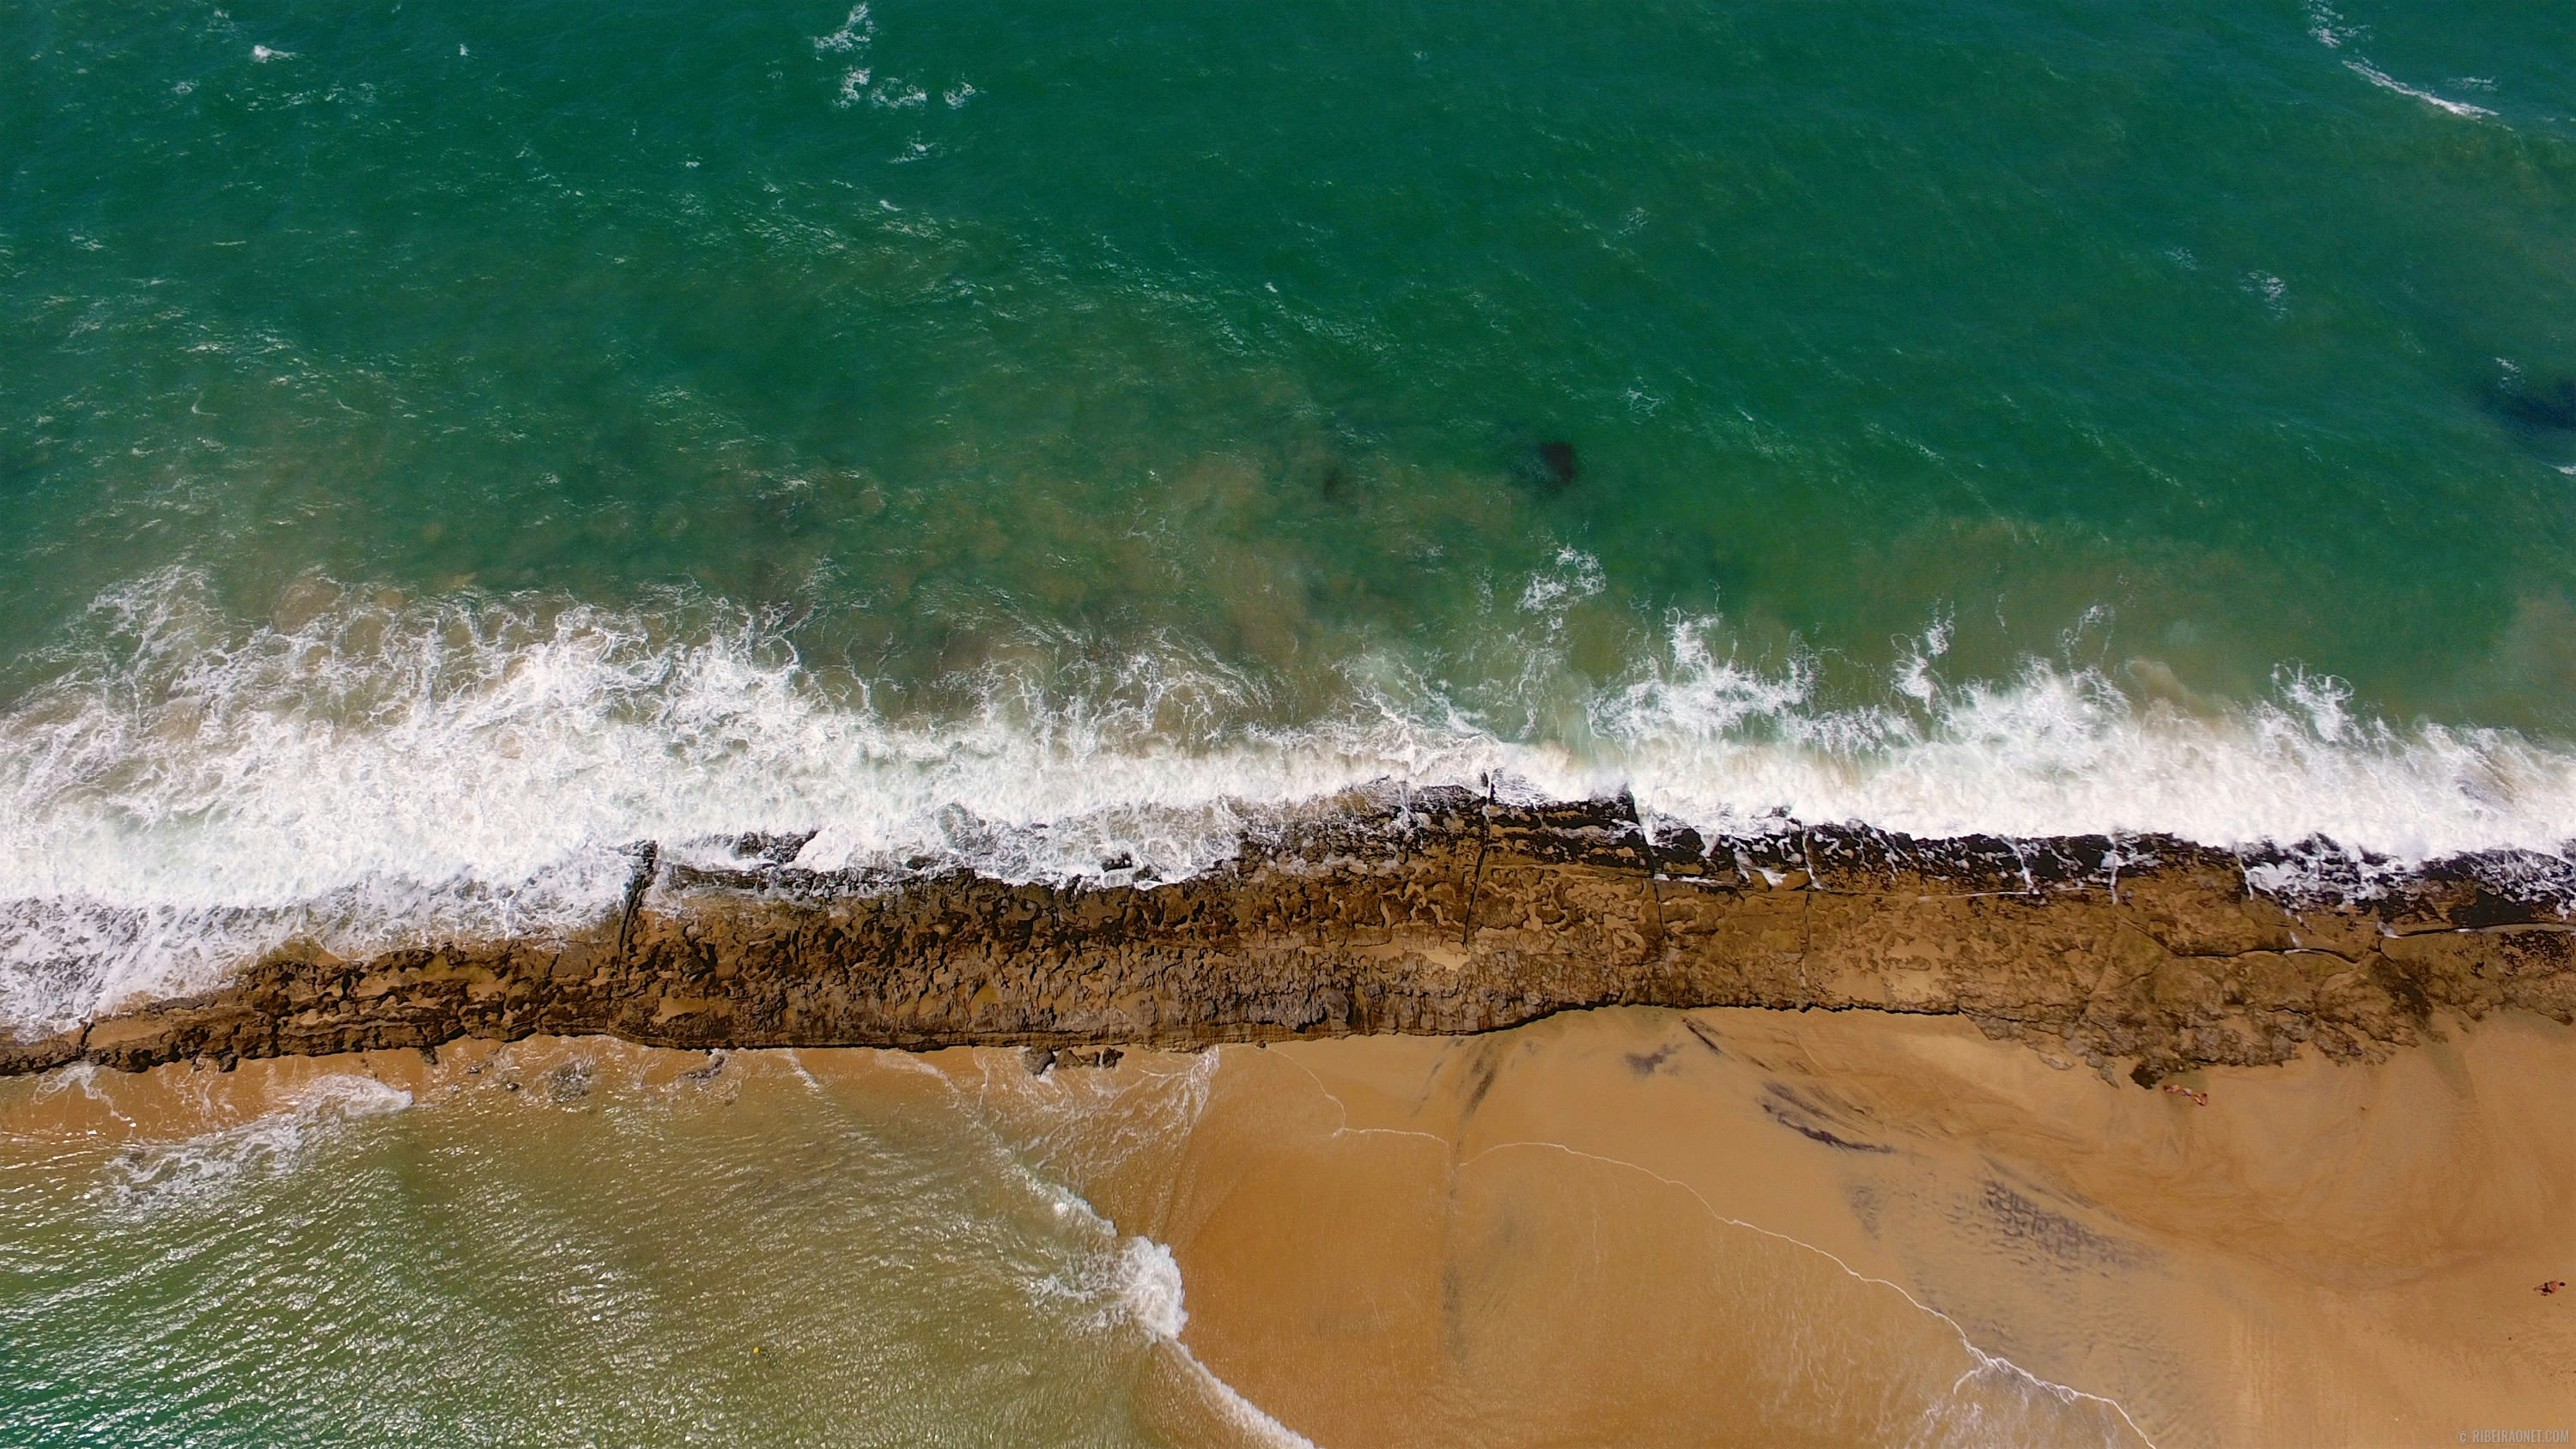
1190, 1084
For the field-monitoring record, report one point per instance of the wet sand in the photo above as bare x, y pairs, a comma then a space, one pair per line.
1737, 1226
1635, 1226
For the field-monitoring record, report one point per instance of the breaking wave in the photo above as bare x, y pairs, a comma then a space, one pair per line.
186, 789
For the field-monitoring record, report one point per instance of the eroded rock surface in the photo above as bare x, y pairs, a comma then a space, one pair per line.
1443, 912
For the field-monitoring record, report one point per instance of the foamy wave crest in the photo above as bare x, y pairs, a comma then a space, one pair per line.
187, 790
2064, 751
1149, 1288
1146, 1281
2387, 82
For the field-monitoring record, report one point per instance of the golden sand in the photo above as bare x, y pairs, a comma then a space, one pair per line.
1639, 1226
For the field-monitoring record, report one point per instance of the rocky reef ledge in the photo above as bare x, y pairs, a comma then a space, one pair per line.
1447, 912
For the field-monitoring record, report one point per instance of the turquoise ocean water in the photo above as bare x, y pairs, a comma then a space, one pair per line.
442, 440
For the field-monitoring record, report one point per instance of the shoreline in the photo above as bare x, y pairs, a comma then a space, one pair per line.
1444, 913
1974, 1246
2319, 1253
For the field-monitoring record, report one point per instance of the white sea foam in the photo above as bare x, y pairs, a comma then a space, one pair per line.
150, 1175
2385, 81
1078, 1124
1138, 1283
1149, 1288
1998, 1402
188, 789
2329, 28
2333, 31
1149, 1294
857, 29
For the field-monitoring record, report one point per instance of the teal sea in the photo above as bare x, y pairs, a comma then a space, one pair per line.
445, 441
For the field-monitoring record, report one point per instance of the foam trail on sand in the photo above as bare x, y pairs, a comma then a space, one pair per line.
1067, 1126
185, 790
152, 1175
1150, 1292
1150, 1288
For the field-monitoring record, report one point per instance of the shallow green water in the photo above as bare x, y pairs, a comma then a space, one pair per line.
576, 1259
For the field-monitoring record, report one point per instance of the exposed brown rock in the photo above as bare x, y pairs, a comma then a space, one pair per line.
1446, 913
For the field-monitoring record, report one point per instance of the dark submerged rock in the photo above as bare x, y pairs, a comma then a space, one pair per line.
2549, 407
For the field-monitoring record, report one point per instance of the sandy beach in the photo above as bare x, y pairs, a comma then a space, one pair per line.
1729, 1226
1635, 1226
